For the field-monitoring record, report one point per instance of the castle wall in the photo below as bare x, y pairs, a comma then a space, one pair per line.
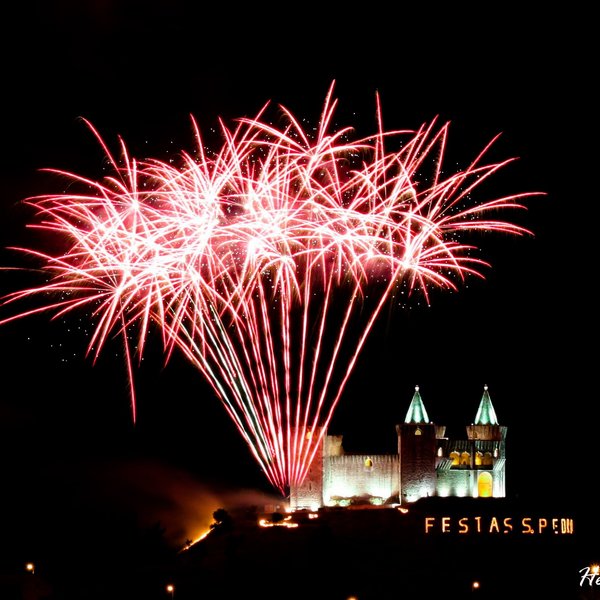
456, 483
464, 482
349, 476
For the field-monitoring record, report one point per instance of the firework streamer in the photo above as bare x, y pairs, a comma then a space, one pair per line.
265, 262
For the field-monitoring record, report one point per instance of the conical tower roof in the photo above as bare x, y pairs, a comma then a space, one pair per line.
416, 411
486, 415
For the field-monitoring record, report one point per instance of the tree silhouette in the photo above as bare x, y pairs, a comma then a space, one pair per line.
222, 520
277, 517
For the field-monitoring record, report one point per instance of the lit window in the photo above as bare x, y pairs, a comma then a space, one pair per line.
368, 463
455, 456
485, 485
487, 459
418, 431
465, 459
478, 459
495, 452
440, 451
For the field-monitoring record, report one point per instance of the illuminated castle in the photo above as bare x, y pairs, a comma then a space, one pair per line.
427, 464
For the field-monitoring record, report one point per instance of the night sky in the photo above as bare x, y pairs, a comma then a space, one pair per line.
68, 448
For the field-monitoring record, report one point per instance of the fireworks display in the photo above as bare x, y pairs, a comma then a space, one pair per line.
265, 261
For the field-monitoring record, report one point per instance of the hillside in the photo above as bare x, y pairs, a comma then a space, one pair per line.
384, 553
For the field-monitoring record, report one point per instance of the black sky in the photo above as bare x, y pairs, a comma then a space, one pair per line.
527, 330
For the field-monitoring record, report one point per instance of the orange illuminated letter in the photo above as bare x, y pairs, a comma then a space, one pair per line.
494, 527
445, 524
526, 522
429, 521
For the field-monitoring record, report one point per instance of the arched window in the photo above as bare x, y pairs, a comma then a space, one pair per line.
478, 459
455, 456
487, 459
418, 431
368, 463
465, 459
496, 452
440, 451
485, 485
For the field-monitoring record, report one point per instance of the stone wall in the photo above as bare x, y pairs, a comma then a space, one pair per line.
361, 476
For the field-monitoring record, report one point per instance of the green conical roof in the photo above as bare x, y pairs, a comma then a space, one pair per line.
416, 411
486, 415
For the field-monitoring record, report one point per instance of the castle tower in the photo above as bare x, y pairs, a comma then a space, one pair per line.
309, 494
488, 450
416, 448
